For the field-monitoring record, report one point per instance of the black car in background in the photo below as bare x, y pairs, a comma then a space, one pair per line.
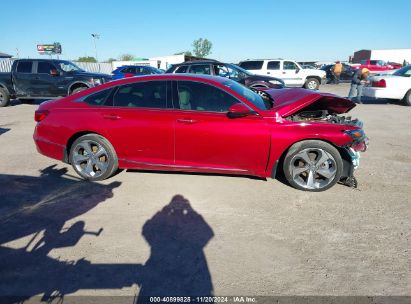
216, 68
134, 70
45, 79
346, 75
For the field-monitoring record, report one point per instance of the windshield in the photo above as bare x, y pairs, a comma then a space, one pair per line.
251, 96
404, 72
231, 71
68, 66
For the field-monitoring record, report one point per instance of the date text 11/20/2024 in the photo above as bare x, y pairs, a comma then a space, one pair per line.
239, 299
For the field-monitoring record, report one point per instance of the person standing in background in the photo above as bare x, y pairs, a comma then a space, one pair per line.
336, 71
359, 79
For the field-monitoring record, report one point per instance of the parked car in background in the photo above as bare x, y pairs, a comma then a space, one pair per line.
346, 75
134, 70
309, 66
45, 79
227, 70
394, 86
375, 66
201, 123
288, 70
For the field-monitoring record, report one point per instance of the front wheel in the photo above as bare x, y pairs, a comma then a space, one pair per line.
93, 157
312, 165
312, 84
4, 98
407, 98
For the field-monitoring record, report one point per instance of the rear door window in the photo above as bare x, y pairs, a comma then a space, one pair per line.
44, 67
252, 65
200, 69
24, 66
182, 69
150, 94
273, 65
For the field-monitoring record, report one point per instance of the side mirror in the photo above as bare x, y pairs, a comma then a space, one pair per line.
297, 70
239, 110
54, 72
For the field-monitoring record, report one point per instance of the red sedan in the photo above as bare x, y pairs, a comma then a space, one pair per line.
202, 124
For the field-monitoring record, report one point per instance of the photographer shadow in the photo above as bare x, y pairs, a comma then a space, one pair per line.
177, 264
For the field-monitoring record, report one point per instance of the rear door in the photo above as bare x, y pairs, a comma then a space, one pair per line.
140, 125
44, 84
22, 78
206, 139
274, 69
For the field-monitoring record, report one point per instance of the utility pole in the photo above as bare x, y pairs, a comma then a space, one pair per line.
17, 51
95, 36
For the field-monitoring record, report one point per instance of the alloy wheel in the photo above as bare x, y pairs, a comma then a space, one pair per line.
90, 158
313, 168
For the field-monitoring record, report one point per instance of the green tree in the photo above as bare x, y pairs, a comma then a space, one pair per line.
87, 59
126, 57
202, 47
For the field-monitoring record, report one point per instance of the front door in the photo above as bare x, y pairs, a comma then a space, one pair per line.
206, 139
292, 74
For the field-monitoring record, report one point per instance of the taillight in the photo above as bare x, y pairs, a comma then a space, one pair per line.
39, 115
379, 84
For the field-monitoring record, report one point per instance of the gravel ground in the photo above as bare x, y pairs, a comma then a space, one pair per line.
172, 233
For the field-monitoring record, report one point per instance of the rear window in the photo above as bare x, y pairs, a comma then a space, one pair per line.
252, 65
101, 98
182, 69
24, 66
200, 69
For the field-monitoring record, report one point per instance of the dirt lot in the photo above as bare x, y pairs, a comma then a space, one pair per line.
241, 236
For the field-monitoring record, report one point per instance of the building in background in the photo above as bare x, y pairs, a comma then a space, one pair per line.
4, 55
388, 55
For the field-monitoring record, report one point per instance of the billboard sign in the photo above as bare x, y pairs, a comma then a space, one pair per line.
49, 49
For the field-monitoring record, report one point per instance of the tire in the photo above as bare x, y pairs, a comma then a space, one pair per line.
79, 89
407, 98
312, 84
312, 165
103, 161
4, 98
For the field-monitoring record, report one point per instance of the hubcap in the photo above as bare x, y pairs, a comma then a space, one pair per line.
312, 85
90, 158
313, 168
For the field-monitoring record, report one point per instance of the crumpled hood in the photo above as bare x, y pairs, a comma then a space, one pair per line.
292, 100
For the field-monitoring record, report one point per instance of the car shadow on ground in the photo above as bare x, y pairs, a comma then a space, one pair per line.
38, 208
4, 130
193, 173
18, 102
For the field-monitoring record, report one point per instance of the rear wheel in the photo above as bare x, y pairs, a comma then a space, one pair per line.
4, 98
312, 84
312, 165
407, 98
93, 157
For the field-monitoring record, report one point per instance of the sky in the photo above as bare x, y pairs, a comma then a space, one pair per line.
299, 30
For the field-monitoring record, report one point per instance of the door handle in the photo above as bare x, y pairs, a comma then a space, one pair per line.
186, 120
283, 72
268, 73
111, 116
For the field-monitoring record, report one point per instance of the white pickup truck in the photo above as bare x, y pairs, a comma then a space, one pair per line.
288, 70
